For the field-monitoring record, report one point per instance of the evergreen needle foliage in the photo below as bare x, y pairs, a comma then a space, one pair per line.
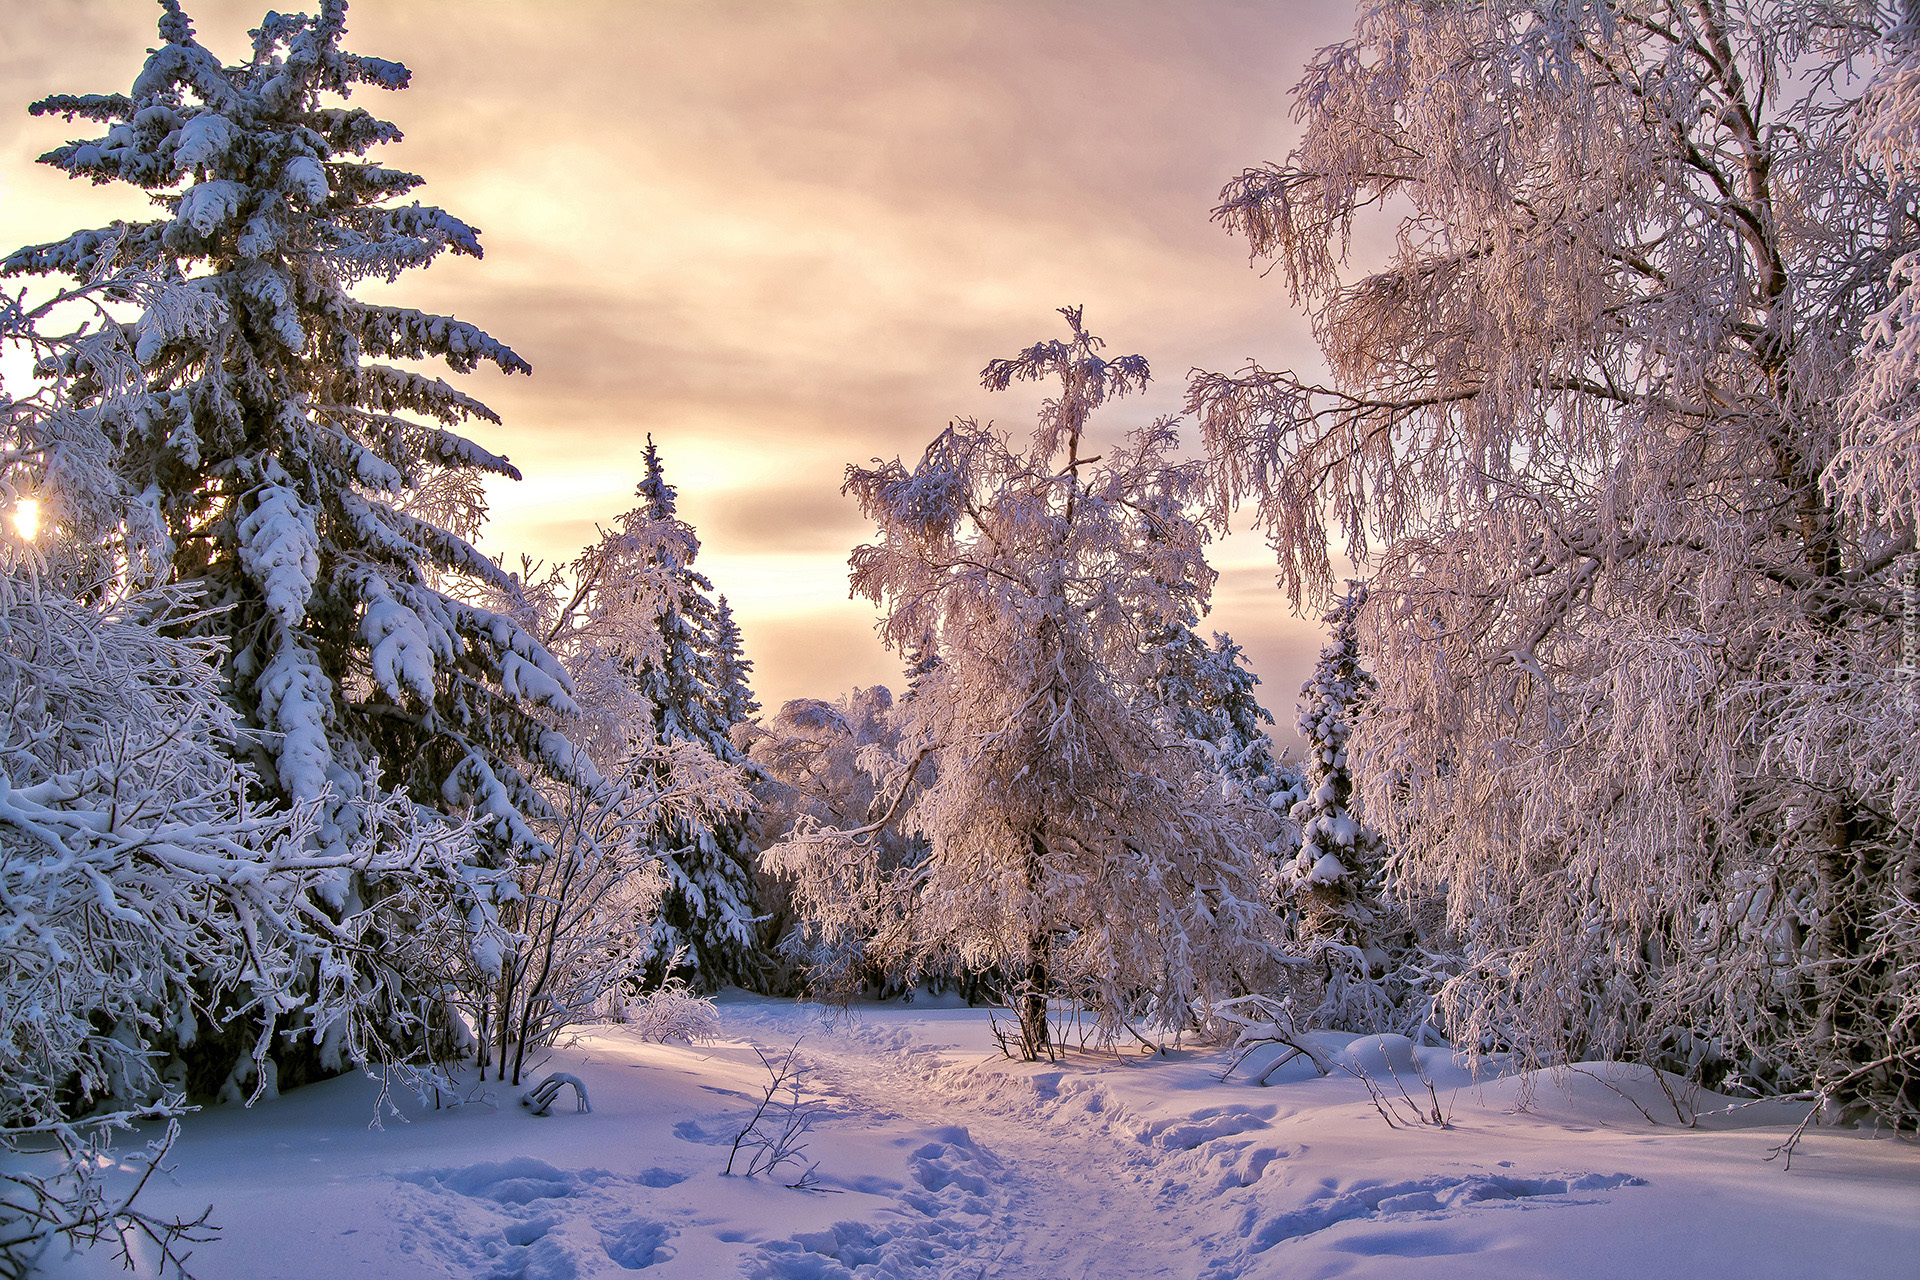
318, 499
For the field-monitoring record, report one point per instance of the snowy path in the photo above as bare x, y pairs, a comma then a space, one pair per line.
1102, 1169
1001, 1196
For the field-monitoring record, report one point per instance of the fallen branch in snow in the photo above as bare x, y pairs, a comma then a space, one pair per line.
1690, 1121
541, 1096
1828, 1093
1147, 1047
1271, 1023
1608, 1084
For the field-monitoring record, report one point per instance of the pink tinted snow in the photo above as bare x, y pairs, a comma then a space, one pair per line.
938, 1158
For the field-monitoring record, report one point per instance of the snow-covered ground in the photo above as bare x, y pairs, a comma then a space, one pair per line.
940, 1158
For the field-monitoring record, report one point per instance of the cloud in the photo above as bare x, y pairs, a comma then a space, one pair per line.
791, 518
782, 237
827, 652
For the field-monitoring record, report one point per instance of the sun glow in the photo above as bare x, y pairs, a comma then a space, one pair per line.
26, 518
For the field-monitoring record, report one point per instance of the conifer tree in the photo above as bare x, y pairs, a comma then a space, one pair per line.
1334, 874
294, 479
922, 659
1209, 691
141, 885
732, 669
704, 933
1344, 918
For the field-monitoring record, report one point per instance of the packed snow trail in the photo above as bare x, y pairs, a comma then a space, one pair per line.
1002, 1194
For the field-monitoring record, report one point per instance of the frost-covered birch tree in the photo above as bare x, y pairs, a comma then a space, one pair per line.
1636, 617
1878, 463
1075, 845
278, 455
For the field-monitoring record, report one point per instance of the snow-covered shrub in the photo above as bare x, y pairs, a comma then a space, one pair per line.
672, 1012
828, 764
570, 933
573, 935
773, 1136
144, 894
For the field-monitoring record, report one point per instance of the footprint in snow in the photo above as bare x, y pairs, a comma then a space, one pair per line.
947, 1211
713, 1133
524, 1219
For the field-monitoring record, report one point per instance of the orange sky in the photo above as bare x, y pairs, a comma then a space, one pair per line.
783, 237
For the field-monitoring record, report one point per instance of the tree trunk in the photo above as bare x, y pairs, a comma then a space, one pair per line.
1034, 1036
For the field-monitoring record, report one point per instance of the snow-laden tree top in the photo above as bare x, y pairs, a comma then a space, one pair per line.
313, 487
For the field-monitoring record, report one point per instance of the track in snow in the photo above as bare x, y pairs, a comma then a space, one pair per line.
1043, 1180
1000, 1196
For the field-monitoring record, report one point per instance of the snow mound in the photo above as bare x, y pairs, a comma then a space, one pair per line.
1207, 1125
1438, 1196
1617, 1094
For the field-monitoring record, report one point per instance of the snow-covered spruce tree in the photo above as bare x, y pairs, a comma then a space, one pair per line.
704, 932
1075, 845
278, 455
1636, 617
579, 933
922, 658
733, 702
144, 892
1346, 923
1206, 692
1209, 692
1333, 876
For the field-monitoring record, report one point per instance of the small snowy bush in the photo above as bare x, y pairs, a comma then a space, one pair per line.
672, 1013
